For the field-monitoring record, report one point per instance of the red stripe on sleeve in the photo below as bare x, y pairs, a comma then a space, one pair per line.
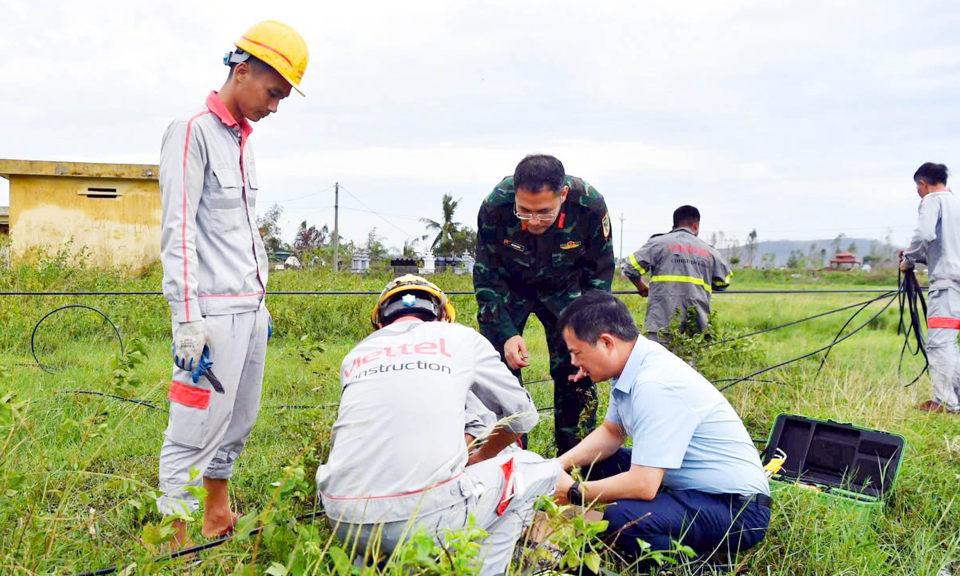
183, 231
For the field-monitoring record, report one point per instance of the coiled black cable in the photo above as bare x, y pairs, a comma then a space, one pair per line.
911, 300
33, 351
36, 327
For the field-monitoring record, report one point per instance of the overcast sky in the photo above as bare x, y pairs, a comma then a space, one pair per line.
800, 119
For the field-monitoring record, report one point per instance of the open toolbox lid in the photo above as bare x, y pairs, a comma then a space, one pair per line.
843, 456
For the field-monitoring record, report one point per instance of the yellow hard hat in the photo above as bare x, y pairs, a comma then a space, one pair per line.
280, 47
437, 304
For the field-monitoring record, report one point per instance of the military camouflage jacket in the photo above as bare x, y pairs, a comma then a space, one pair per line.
574, 255
684, 270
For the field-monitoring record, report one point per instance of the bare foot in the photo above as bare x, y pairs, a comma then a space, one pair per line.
217, 527
180, 540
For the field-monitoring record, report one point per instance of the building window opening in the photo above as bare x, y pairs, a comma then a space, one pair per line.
100, 193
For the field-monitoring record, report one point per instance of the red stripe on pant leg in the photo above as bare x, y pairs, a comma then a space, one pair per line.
943, 322
188, 395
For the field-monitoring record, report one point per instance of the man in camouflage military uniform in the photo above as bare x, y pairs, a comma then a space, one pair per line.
543, 238
684, 270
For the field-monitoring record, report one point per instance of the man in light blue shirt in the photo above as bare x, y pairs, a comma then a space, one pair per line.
693, 474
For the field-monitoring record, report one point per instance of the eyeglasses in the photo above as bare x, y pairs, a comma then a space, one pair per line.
539, 217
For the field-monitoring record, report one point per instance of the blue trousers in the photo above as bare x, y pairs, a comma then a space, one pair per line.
708, 523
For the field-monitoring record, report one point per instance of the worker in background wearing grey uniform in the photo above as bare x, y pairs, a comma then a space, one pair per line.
399, 462
684, 271
215, 275
936, 243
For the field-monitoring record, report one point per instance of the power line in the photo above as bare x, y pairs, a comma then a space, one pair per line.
382, 217
302, 197
401, 216
324, 209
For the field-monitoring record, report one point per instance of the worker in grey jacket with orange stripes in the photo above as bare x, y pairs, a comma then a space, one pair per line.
684, 271
215, 275
936, 243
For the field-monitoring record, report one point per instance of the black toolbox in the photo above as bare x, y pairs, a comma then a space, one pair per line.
836, 459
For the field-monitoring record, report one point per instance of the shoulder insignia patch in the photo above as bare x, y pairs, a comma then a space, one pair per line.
514, 245
606, 225
570, 245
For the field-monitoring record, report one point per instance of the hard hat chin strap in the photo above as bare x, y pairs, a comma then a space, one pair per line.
235, 57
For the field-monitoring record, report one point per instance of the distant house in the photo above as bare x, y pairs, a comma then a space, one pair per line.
844, 261
281, 256
111, 209
4, 219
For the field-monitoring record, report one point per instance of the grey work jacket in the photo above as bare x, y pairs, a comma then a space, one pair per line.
398, 448
213, 257
684, 270
936, 241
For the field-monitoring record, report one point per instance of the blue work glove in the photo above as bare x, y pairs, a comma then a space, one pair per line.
203, 365
269, 326
190, 341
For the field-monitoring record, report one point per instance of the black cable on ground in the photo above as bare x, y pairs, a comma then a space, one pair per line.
541, 381
33, 351
198, 548
911, 299
836, 340
844, 327
114, 397
36, 327
786, 324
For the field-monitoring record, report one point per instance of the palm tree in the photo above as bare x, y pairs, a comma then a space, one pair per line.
447, 229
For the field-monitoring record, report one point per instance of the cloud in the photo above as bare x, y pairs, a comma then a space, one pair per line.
786, 116
452, 164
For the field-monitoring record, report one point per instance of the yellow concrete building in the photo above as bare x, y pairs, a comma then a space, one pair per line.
111, 209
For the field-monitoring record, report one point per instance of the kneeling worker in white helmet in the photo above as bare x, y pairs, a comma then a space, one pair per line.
399, 461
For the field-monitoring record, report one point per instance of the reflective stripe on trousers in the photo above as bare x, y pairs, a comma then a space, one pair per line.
207, 430
943, 326
539, 477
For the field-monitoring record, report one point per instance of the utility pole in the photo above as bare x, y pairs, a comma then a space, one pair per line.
336, 227
621, 235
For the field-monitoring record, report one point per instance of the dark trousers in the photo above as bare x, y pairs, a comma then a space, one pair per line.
574, 403
708, 523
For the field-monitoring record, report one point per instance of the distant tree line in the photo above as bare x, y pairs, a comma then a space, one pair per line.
313, 245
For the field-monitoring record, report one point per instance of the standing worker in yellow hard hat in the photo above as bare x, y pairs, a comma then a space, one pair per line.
215, 274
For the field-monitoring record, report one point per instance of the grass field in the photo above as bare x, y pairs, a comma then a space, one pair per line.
77, 471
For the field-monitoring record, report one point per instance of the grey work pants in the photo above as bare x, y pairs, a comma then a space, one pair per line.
943, 326
207, 430
537, 477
